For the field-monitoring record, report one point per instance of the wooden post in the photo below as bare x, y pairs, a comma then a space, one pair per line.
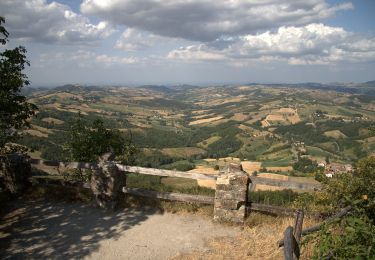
291, 249
298, 225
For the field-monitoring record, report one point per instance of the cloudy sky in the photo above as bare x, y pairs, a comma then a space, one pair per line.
123, 42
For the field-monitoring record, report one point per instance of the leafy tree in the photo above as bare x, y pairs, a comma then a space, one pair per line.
305, 165
14, 109
89, 141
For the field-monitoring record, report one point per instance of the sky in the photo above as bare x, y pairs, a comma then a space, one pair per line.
202, 42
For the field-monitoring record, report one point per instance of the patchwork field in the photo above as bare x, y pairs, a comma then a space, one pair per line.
187, 127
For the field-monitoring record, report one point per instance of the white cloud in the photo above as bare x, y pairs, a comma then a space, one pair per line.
310, 44
134, 40
115, 60
40, 21
84, 59
207, 20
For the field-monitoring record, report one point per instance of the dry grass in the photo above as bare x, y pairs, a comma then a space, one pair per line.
207, 120
199, 112
203, 116
183, 152
258, 240
246, 128
282, 169
275, 118
335, 134
204, 169
52, 120
251, 167
294, 119
273, 176
286, 110
35, 133
268, 187
209, 141
239, 117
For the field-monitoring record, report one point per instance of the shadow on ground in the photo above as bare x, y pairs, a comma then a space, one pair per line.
49, 229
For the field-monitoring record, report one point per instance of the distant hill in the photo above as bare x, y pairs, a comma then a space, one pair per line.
370, 84
157, 88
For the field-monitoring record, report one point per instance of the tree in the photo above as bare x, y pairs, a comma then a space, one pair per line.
89, 141
327, 159
14, 109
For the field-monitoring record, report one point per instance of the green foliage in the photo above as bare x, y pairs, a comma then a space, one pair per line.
87, 142
305, 165
14, 110
349, 238
352, 236
180, 166
277, 198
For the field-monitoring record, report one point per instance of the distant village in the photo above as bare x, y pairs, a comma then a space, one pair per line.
330, 169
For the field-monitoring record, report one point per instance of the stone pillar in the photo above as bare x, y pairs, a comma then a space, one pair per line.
231, 195
15, 172
106, 184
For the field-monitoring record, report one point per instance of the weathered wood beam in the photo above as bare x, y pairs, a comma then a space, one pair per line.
169, 196
291, 249
286, 184
165, 173
298, 225
270, 209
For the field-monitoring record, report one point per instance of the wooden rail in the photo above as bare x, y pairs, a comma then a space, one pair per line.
285, 184
126, 168
180, 174
269, 209
165, 173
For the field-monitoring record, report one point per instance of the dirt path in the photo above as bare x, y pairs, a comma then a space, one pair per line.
40, 229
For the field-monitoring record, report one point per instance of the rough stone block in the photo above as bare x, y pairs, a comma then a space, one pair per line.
106, 184
15, 172
234, 216
231, 196
239, 195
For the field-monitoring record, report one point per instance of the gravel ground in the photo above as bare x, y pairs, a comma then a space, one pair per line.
43, 229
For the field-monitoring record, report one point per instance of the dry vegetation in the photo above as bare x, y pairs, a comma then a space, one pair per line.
207, 120
258, 240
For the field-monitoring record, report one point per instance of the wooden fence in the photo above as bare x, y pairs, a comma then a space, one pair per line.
269, 209
171, 173
292, 235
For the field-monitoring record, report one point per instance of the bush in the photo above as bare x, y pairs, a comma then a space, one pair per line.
352, 236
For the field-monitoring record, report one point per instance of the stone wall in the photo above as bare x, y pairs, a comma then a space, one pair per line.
15, 171
231, 195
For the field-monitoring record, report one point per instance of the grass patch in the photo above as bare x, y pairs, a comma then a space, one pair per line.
276, 198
